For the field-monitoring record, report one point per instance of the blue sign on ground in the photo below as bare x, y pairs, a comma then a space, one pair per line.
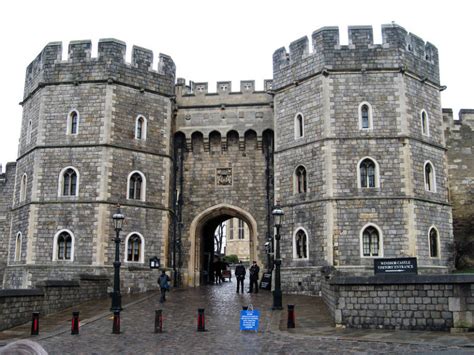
249, 320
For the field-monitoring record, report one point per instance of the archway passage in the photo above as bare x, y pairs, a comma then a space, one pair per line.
203, 244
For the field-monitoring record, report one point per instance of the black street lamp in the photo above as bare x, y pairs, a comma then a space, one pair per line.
277, 296
118, 218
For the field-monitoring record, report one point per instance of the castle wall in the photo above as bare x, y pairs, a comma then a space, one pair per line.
459, 141
7, 185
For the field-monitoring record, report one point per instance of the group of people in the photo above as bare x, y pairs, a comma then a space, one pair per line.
217, 270
240, 273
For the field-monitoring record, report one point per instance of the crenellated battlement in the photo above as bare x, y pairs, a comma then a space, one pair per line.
224, 88
399, 49
109, 65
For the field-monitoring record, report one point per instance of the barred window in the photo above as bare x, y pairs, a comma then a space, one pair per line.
300, 180
434, 247
367, 169
241, 229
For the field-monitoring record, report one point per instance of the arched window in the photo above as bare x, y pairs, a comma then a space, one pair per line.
434, 242
425, 123
136, 186
371, 241
300, 180
368, 172
73, 122
430, 177
299, 125
365, 116
300, 250
18, 242
140, 128
134, 250
69, 182
23, 186
63, 248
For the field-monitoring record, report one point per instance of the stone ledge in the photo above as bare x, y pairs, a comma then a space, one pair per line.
402, 279
21, 292
57, 283
92, 277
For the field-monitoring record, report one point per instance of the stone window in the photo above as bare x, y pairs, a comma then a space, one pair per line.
241, 229
365, 116
368, 173
23, 186
28, 132
18, 242
425, 123
63, 248
371, 241
301, 185
140, 128
134, 247
73, 122
300, 243
434, 242
299, 125
136, 186
231, 228
430, 177
68, 182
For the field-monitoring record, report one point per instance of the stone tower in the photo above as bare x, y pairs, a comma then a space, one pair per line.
95, 132
360, 157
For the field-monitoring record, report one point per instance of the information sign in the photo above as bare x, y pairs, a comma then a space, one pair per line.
395, 266
249, 320
266, 281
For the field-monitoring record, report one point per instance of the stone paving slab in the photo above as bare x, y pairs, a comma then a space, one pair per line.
313, 333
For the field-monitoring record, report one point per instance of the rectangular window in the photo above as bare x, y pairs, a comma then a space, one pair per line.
231, 228
241, 229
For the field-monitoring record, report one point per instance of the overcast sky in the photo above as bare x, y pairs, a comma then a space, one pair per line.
220, 40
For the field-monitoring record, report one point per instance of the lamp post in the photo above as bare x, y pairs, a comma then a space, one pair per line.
118, 218
277, 297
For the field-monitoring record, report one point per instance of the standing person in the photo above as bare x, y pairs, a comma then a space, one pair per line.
240, 276
163, 281
254, 270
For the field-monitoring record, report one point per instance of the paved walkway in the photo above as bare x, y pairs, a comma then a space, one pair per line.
314, 332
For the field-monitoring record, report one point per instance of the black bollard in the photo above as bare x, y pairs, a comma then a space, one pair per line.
158, 321
75, 323
116, 325
245, 308
291, 316
35, 323
201, 320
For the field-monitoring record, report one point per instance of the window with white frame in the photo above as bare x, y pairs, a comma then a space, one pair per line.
365, 116
136, 186
72, 122
371, 241
68, 182
300, 182
134, 247
23, 186
433, 242
241, 229
425, 123
430, 177
368, 173
299, 125
18, 242
63, 248
140, 128
300, 250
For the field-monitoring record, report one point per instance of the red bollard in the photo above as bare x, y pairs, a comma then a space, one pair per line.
201, 320
116, 325
35, 323
158, 321
75, 323
291, 316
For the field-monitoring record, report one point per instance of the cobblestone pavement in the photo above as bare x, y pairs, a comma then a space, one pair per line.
314, 333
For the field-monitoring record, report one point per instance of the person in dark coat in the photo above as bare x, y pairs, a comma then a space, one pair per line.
163, 282
240, 276
254, 270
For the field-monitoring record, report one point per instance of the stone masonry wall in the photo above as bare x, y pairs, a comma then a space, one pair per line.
7, 185
408, 302
16, 306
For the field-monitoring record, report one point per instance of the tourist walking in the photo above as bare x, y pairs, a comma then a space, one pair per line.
163, 282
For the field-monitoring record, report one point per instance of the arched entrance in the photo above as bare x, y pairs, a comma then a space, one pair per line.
205, 223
